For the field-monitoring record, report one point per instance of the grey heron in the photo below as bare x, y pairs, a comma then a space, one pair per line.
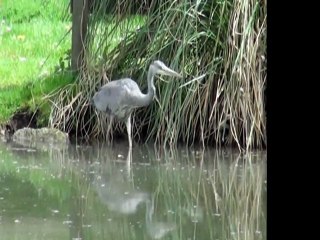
118, 195
119, 98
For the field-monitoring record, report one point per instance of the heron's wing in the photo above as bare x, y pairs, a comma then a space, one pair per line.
132, 92
117, 97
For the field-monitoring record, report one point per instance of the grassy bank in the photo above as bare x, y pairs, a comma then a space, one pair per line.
222, 44
32, 43
218, 46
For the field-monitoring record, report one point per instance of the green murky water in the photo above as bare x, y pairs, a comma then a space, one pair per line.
99, 192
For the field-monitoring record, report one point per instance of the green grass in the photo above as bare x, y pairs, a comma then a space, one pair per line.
33, 39
32, 95
27, 46
25, 10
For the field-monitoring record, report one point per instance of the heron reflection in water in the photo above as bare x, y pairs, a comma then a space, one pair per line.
116, 192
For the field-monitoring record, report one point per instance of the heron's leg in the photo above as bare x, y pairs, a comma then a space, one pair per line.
109, 128
128, 123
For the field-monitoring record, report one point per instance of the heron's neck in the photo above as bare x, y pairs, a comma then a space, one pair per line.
151, 88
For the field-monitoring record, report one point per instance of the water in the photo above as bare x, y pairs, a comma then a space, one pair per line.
96, 192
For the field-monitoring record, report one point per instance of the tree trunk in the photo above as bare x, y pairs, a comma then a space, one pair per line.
79, 30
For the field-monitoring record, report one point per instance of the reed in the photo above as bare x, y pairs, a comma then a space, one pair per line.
218, 46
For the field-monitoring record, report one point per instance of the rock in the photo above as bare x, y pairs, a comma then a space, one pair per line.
41, 135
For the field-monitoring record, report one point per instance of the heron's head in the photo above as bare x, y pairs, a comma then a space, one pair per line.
159, 67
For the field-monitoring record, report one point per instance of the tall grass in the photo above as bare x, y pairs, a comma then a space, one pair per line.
223, 42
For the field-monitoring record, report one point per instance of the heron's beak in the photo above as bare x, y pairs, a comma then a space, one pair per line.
169, 72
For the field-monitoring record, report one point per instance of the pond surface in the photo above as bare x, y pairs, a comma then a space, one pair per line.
102, 192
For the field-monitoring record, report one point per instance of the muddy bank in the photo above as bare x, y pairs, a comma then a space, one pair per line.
22, 118
26, 118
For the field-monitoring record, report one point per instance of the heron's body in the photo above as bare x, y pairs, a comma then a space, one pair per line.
123, 97
119, 98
